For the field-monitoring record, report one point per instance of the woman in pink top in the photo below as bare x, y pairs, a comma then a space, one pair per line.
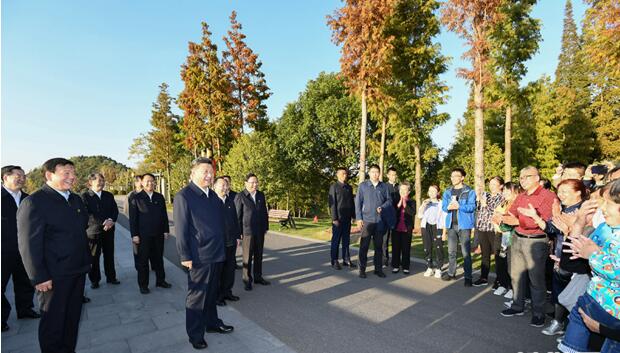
401, 241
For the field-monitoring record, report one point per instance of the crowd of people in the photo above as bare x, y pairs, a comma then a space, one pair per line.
555, 243
53, 239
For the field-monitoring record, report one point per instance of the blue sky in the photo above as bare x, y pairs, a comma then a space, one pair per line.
79, 78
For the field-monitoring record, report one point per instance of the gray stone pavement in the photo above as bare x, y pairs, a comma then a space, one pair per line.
119, 319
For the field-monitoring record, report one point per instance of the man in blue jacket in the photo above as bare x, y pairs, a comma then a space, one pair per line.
199, 229
459, 202
372, 197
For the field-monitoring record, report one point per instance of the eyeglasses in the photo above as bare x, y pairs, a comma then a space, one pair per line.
523, 177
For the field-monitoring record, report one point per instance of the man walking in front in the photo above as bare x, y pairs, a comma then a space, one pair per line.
459, 202
372, 198
199, 226
51, 230
253, 219
342, 208
13, 179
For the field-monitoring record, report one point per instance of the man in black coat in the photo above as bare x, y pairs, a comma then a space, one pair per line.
51, 231
232, 234
13, 179
231, 194
342, 209
148, 223
102, 215
199, 229
393, 189
253, 219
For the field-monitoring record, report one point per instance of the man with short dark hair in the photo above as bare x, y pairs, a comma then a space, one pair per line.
148, 223
571, 170
199, 227
393, 188
529, 249
102, 215
254, 222
342, 209
13, 180
371, 200
51, 230
459, 202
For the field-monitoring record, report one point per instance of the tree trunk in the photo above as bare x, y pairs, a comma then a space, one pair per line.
478, 140
362, 170
382, 154
508, 145
418, 181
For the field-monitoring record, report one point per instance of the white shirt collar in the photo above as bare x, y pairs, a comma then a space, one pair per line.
205, 190
98, 193
64, 194
374, 184
17, 196
223, 198
150, 194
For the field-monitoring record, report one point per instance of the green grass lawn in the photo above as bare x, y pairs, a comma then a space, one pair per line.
322, 231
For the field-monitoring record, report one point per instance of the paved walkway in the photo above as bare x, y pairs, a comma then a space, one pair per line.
119, 319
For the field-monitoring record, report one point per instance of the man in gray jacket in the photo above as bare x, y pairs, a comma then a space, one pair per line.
372, 197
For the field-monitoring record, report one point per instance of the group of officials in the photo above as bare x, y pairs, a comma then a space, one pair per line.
53, 238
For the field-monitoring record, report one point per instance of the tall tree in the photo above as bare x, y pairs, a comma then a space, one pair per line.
208, 123
163, 139
571, 95
416, 64
514, 40
474, 20
601, 49
249, 88
358, 26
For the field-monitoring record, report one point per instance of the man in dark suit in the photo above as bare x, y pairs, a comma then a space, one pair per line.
232, 235
253, 219
51, 231
148, 223
199, 227
393, 189
102, 215
137, 187
342, 209
231, 194
13, 179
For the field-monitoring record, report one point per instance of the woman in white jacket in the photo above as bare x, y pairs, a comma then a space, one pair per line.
433, 220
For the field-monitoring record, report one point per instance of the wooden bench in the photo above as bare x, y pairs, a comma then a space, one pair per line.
283, 217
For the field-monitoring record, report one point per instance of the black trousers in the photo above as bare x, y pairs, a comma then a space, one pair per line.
228, 272
102, 244
501, 264
252, 247
371, 231
200, 309
12, 265
431, 240
487, 248
61, 309
401, 249
151, 248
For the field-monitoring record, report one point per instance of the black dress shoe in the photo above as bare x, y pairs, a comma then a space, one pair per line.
247, 286
199, 345
380, 274
220, 302
145, 290
113, 281
31, 314
262, 281
350, 264
336, 266
232, 298
85, 299
163, 284
94, 285
362, 274
5, 327
221, 329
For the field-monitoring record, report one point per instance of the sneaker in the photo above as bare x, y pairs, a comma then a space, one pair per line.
480, 282
560, 339
500, 291
508, 294
395, 270
406, 271
508, 304
554, 328
537, 321
438, 273
429, 272
510, 313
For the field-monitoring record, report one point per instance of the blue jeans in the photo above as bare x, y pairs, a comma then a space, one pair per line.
577, 333
464, 237
341, 231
